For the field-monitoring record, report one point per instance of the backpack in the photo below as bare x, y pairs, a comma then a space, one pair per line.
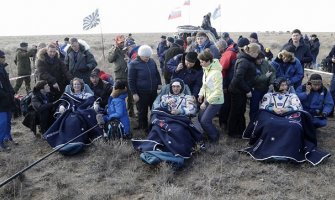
25, 103
114, 130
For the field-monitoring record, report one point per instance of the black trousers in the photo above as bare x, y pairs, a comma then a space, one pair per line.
145, 102
236, 119
225, 109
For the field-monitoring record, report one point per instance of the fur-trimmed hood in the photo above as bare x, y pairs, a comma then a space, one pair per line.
117, 93
41, 54
83, 46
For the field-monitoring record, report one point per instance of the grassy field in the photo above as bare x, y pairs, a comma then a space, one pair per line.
115, 171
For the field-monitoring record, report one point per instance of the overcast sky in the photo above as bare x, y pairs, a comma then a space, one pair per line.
45, 17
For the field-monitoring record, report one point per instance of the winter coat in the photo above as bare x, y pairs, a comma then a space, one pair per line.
315, 47
117, 57
261, 81
316, 102
244, 74
162, 46
192, 77
302, 52
7, 102
292, 71
52, 70
329, 59
103, 89
227, 61
22, 60
143, 77
208, 45
211, 88
117, 109
80, 64
40, 102
172, 52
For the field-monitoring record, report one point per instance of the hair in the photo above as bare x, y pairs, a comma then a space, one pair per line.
296, 31
73, 40
206, 56
120, 85
201, 34
80, 81
51, 45
40, 85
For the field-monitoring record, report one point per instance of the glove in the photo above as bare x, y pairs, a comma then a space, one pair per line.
62, 109
84, 69
100, 120
96, 106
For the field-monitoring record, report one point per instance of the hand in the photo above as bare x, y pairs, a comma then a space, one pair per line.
175, 111
200, 98
96, 106
333, 60
136, 98
249, 94
271, 87
268, 74
100, 120
308, 88
171, 101
159, 87
62, 109
179, 67
56, 86
203, 106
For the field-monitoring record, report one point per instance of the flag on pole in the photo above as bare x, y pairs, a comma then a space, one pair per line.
91, 21
217, 12
175, 13
187, 2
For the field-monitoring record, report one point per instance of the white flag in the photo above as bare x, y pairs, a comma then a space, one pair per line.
91, 21
217, 12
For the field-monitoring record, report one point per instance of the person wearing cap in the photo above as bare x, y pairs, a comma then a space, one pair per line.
226, 37
79, 60
240, 88
176, 102
289, 67
130, 48
186, 66
43, 109
7, 104
203, 43
117, 56
161, 48
314, 44
301, 50
210, 95
265, 76
100, 87
316, 100
144, 80
22, 61
50, 68
254, 39
176, 48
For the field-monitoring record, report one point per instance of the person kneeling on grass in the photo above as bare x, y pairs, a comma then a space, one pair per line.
117, 108
316, 100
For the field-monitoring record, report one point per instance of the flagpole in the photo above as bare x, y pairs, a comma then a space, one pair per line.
102, 43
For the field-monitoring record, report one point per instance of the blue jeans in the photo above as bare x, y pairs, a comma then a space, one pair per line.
255, 100
206, 120
5, 126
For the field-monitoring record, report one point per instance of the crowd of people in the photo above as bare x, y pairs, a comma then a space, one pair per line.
220, 78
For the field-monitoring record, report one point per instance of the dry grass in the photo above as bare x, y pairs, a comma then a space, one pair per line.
114, 170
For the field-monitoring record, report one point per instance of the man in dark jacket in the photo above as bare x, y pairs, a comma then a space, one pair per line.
315, 46
80, 60
6, 104
161, 48
176, 48
100, 88
51, 69
22, 60
204, 43
302, 50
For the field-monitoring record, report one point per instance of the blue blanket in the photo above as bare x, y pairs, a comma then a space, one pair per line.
283, 137
170, 133
74, 121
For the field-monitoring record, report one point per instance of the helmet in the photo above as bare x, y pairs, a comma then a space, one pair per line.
277, 83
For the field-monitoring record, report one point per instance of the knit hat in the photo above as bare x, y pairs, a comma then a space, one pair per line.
23, 44
225, 35
163, 37
119, 38
254, 36
66, 39
191, 57
242, 42
144, 51
170, 39
179, 42
2, 54
95, 72
252, 49
315, 79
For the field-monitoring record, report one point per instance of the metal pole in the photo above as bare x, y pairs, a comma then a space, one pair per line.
102, 43
44, 157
